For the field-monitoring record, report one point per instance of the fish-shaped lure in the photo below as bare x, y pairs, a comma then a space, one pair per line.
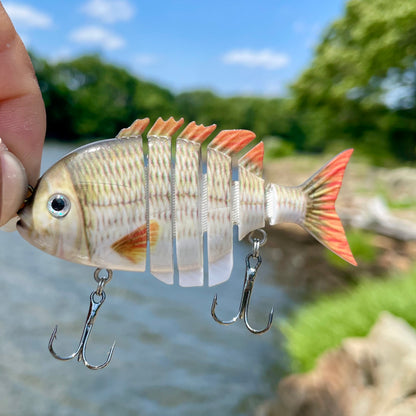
108, 205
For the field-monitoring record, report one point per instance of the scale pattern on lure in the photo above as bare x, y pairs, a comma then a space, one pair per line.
102, 205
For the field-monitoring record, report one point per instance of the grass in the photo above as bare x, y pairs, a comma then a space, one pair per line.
323, 324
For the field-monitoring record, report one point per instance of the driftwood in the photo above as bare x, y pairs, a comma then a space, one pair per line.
375, 216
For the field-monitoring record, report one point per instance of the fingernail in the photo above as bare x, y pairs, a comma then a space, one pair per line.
13, 184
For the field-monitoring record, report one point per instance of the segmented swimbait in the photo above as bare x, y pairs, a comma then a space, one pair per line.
105, 203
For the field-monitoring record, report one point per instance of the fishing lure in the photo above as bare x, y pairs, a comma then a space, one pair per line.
109, 205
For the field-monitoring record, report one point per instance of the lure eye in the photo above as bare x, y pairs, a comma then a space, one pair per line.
59, 205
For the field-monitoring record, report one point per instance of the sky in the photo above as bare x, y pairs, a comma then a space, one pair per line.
233, 47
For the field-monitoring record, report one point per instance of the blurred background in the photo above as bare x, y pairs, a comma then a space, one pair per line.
310, 78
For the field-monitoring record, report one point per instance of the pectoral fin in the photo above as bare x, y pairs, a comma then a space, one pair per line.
133, 245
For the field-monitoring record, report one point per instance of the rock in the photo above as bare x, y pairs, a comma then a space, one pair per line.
371, 376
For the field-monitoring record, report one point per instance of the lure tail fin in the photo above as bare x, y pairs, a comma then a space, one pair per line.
321, 220
312, 205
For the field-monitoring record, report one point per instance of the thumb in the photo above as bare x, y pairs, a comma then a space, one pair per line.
13, 184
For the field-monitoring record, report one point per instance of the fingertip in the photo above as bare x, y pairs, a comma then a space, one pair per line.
13, 184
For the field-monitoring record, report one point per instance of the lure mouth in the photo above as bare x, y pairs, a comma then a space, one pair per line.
21, 212
32, 229
24, 223
29, 195
26, 228
24, 217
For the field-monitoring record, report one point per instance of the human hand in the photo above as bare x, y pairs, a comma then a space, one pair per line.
22, 121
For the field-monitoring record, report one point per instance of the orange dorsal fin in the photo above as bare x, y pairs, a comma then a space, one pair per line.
197, 132
231, 141
253, 160
133, 245
165, 128
136, 129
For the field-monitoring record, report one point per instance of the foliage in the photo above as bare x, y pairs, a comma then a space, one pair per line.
263, 116
87, 98
361, 86
323, 324
275, 147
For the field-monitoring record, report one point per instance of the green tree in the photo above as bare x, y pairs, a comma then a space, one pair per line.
58, 100
106, 98
88, 98
361, 85
266, 117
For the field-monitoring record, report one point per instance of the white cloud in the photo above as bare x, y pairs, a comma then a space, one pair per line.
97, 36
265, 58
27, 16
109, 11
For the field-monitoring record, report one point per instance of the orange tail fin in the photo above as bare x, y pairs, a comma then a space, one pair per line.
312, 205
320, 219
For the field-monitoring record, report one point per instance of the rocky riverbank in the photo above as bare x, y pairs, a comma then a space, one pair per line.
375, 375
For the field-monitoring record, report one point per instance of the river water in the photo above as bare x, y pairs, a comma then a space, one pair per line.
171, 358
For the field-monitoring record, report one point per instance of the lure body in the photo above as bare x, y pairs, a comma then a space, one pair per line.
109, 205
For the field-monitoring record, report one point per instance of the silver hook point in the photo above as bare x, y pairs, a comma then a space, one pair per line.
92, 313
250, 276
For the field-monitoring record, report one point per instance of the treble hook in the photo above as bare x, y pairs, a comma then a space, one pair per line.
92, 313
245, 297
